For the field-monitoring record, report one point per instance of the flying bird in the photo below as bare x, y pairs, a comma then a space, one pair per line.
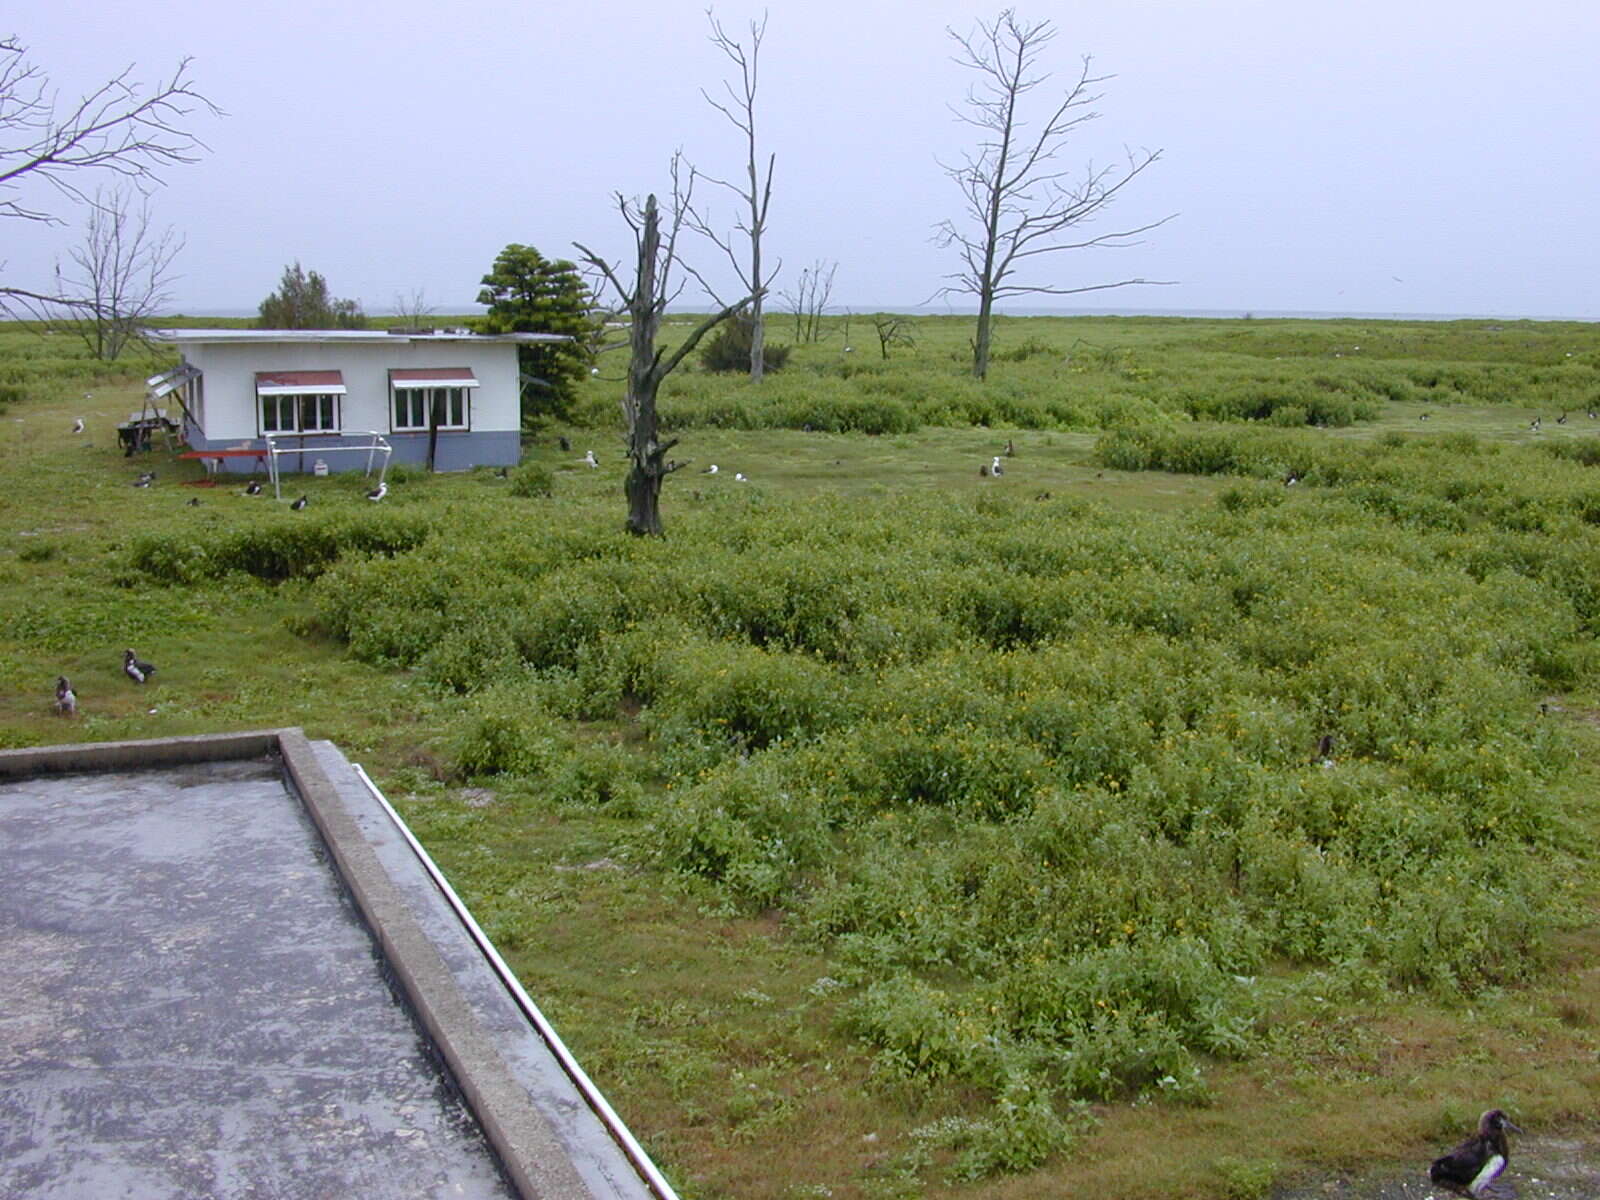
253, 488
1472, 1167
136, 669
77, 425
379, 492
297, 505
588, 457
66, 698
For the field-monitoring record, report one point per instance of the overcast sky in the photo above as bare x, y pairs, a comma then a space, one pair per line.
1373, 156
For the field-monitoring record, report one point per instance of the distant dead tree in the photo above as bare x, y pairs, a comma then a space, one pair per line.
809, 301
117, 130
413, 309
1021, 205
755, 193
644, 298
893, 330
119, 277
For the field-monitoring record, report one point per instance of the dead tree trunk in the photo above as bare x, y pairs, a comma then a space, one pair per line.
645, 302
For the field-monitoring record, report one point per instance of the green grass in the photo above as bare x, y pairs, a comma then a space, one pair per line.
899, 831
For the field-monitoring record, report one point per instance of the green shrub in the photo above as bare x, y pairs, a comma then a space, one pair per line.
532, 479
728, 349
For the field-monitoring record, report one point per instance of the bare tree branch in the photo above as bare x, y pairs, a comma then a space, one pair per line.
120, 275
1020, 205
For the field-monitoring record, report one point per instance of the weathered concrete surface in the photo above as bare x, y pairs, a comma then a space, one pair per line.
1541, 1168
189, 1006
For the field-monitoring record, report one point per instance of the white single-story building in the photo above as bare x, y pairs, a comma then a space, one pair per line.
311, 389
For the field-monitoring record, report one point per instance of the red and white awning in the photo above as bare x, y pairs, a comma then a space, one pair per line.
431, 377
300, 383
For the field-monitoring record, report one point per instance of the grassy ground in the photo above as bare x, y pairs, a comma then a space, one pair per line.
716, 1031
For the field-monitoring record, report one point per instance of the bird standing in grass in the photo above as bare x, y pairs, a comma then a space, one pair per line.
297, 505
66, 698
253, 488
995, 468
145, 480
135, 668
1472, 1167
379, 492
588, 457
77, 425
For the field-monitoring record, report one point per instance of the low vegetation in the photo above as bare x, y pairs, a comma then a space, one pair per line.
1216, 774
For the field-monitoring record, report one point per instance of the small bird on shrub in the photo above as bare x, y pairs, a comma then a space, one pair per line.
588, 457
135, 668
297, 505
379, 492
77, 425
66, 698
253, 488
1472, 1167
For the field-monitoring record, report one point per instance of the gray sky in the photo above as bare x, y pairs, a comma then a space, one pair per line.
1386, 156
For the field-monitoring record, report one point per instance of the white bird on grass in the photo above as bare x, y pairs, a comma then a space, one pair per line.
135, 669
77, 425
379, 492
588, 457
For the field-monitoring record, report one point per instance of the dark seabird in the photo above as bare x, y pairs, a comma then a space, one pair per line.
1472, 1167
66, 698
1324, 754
564, 443
379, 492
135, 669
297, 505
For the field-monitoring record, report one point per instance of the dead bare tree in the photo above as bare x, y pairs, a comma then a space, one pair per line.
809, 301
412, 309
893, 330
1021, 205
644, 299
119, 129
120, 274
755, 193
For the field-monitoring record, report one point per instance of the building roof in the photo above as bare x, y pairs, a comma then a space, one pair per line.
182, 336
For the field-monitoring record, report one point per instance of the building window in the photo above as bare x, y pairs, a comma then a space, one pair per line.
305, 412
413, 404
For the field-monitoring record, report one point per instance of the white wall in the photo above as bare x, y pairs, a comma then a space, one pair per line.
230, 386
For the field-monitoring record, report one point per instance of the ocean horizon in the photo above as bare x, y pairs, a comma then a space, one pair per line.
928, 310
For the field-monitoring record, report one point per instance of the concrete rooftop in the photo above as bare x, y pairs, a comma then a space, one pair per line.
227, 973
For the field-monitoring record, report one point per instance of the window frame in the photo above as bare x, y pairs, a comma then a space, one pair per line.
419, 402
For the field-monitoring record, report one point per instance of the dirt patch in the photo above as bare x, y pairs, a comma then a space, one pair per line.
1542, 1168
